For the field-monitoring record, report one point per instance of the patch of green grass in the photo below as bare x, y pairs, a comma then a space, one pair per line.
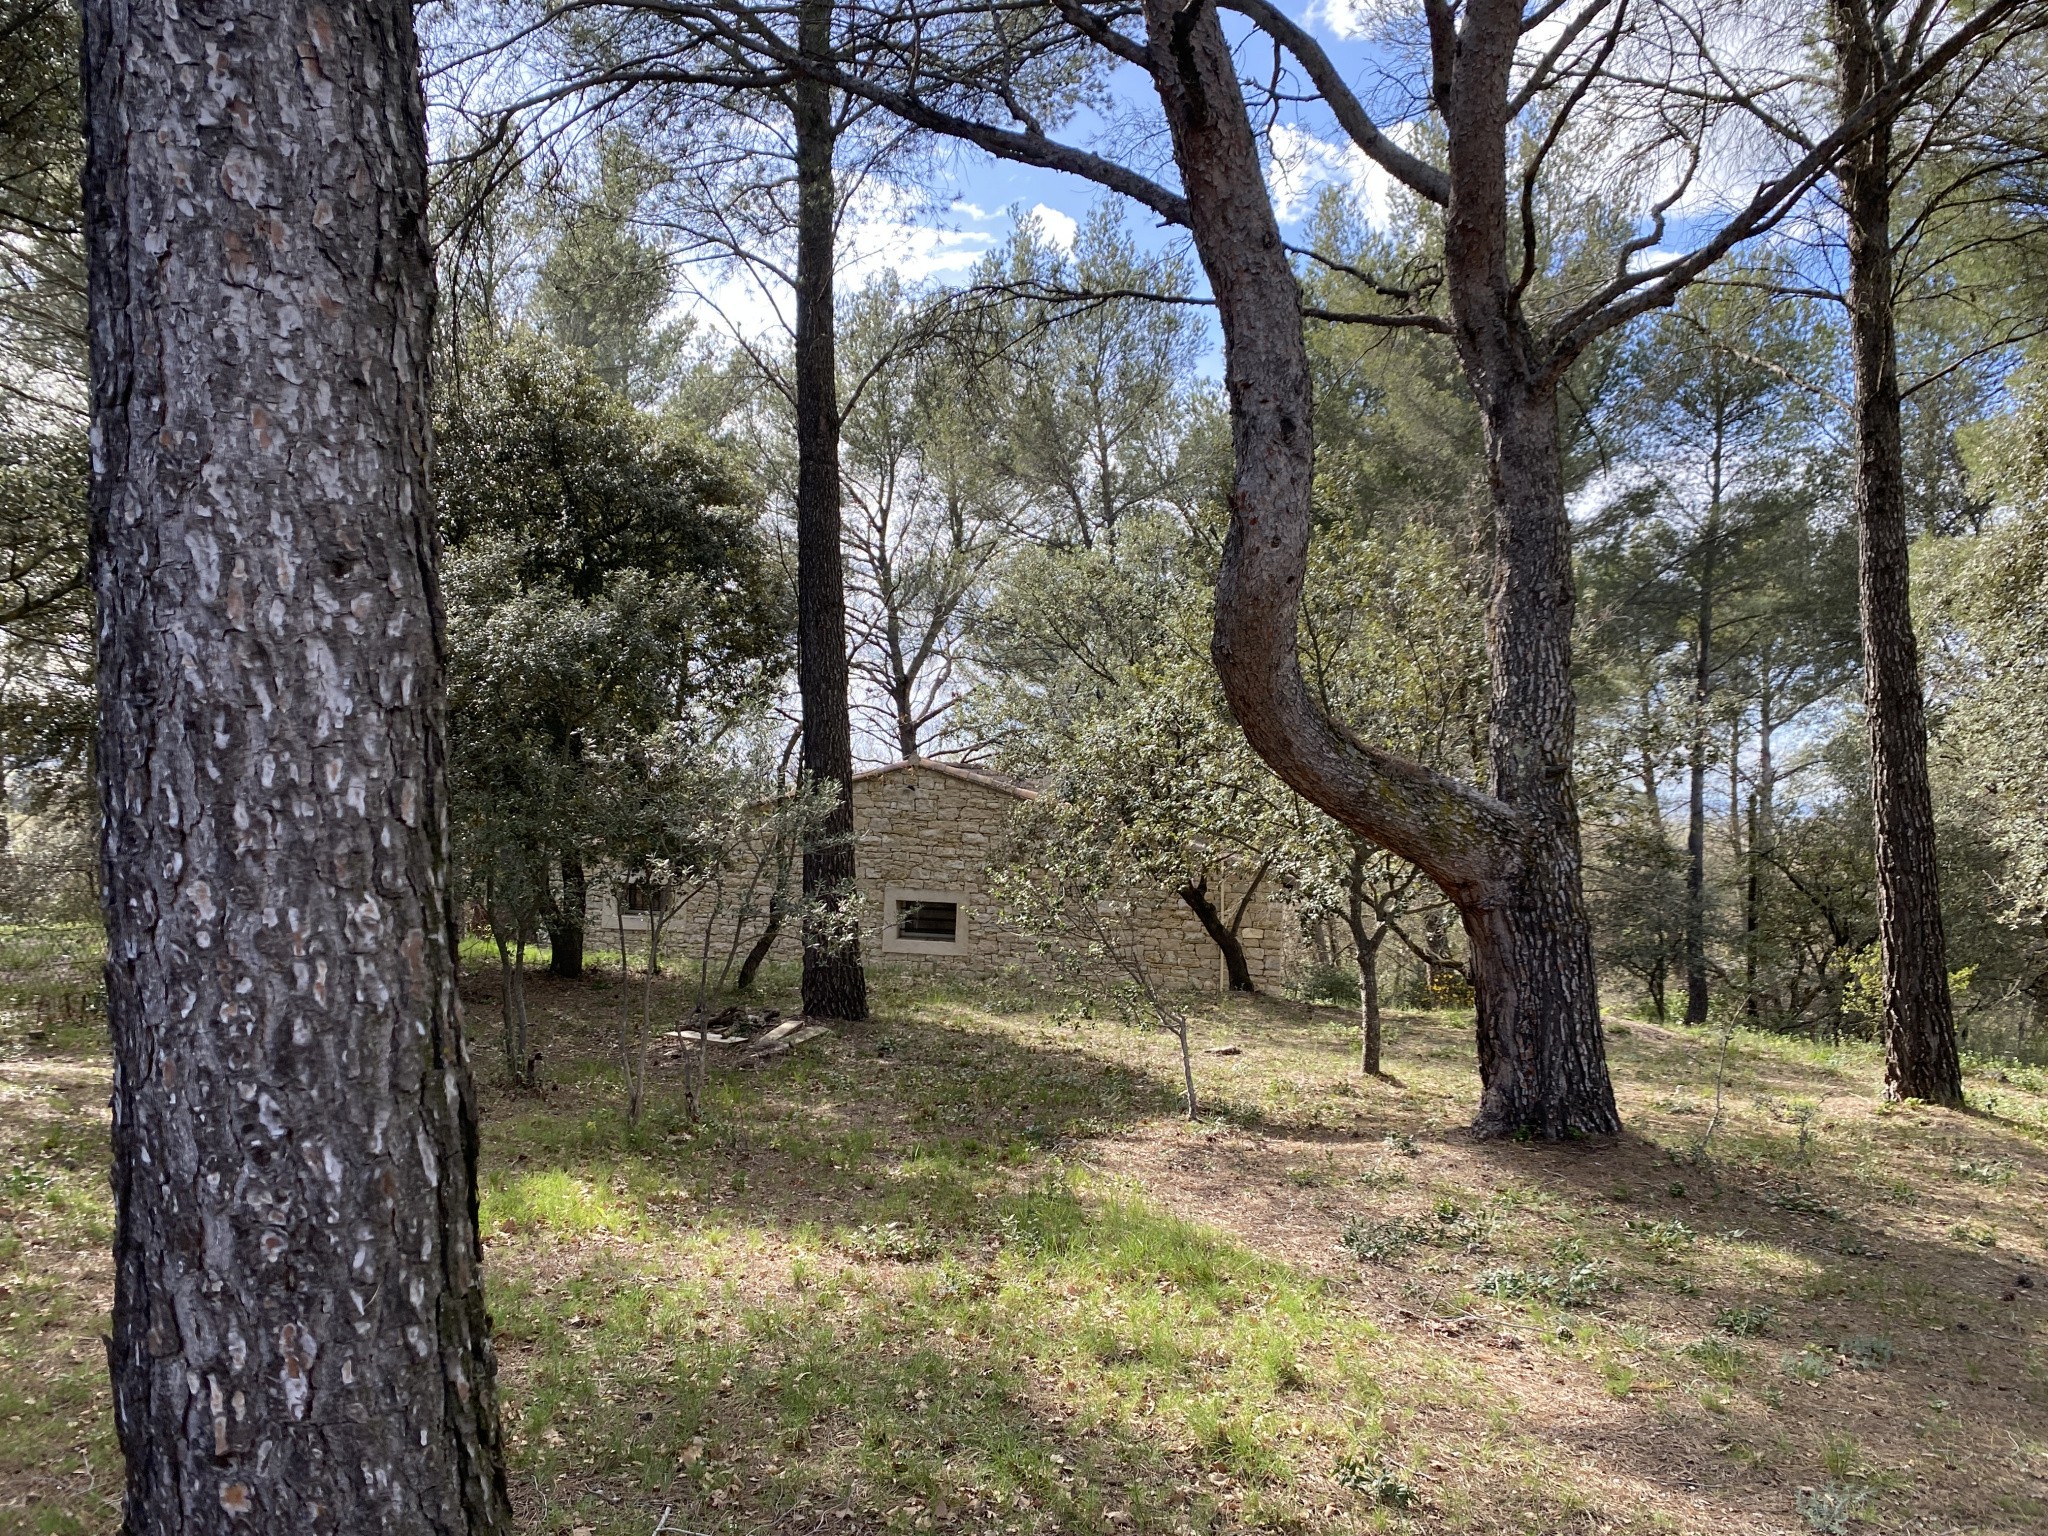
1842, 1455
553, 1200
1985, 1170
962, 1269
1664, 1241
1808, 1364
1717, 1359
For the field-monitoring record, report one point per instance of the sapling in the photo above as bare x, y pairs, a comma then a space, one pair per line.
692, 822
1071, 882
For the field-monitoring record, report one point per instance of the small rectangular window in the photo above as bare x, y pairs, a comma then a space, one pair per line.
926, 921
930, 922
642, 897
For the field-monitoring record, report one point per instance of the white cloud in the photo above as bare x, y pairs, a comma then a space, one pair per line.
973, 211
740, 302
1302, 164
1352, 19
912, 251
1057, 227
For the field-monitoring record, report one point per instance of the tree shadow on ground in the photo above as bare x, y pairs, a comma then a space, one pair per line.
779, 1283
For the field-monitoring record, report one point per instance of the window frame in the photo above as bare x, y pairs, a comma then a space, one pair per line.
893, 942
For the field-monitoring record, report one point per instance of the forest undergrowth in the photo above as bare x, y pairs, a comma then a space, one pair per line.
964, 1268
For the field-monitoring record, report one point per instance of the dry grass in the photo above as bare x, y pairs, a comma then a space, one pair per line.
964, 1269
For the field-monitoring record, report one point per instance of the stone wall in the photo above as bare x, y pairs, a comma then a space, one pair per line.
928, 832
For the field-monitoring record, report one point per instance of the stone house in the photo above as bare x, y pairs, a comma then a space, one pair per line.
925, 833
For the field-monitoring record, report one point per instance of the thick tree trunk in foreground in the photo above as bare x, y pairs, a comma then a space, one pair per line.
1920, 1060
299, 1336
834, 985
1541, 1055
1508, 859
1223, 935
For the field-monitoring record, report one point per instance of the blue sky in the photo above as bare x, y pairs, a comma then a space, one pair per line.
977, 195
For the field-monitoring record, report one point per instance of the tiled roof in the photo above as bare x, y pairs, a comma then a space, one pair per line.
986, 778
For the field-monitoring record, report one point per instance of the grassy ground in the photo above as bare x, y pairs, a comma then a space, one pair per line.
964, 1269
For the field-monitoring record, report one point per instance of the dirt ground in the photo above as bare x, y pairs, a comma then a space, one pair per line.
968, 1267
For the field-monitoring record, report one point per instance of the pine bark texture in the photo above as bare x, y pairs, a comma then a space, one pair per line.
1509, 859
834, 985
299, 1335
1920, 1058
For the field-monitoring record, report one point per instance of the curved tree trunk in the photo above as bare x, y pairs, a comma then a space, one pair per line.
1920, 1059
1508, 859
750, 967
834, 985
299, 1334
1221, 934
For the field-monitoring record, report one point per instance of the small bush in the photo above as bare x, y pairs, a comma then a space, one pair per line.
1808, 1365
1746, 1322
1830, 1511
1379, 1484
1328, 984
1664, 1240
1382, 1242
1574, 1287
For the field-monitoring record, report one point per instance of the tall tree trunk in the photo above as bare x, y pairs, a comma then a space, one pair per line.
1509, 859
299, 1334
1919, 1022
1695, 937
512, 997
565, 931
834, 985
1542, 1060
6, 804
1223, 935
1696, 787
1761, 815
